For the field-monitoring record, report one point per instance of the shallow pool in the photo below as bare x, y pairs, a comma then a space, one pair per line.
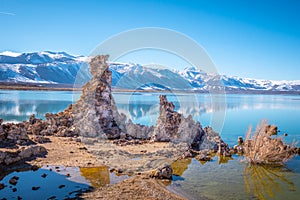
54, 182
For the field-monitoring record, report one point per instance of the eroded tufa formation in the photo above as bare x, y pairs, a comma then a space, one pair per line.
94, 111
172, 126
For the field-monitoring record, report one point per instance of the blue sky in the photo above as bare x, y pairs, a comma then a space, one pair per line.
256, 39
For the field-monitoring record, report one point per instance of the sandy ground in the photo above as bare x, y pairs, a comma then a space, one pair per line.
138, 187
139, 158
66, 152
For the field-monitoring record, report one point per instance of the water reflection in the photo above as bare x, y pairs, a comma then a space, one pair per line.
266, 182
180, 166
98, 176
41, 184
224, 159
21, 110
140, 107
58, 182
232, 179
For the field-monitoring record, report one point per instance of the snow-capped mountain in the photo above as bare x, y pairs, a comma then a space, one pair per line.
61, 68
41, 67
201, 80
135, 76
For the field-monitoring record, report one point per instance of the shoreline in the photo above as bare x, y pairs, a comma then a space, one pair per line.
69, 152
69, 87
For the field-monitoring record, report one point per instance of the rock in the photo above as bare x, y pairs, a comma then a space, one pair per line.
12, 134
61, 186
123, 135
240, 140
166, 172
167, 123
35, 168
35, 187
138, 131
14, 180
187, 154
239, 149
2, 156
2, 186
41, 139
44, 175
203, 157
22, 154
210, 139
32, 151
172, 126
94, 111
163, 173
223, 149
83, 148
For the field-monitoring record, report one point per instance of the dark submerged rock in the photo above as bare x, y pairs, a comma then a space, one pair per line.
35, 188
2, 186
14, 180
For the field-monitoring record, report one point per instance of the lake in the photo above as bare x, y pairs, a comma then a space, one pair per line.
229, 115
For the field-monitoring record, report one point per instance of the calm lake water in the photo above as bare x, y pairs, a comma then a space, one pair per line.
230, 115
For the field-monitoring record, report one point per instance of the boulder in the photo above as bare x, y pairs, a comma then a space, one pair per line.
165, 172
24, 153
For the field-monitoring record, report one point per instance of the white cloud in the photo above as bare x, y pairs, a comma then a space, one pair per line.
7, 13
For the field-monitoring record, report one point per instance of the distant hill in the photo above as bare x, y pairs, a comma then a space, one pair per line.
60, 68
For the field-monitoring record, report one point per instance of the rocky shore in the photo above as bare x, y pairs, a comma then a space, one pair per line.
93, 133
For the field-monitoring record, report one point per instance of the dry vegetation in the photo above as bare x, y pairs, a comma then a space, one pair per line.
261, 147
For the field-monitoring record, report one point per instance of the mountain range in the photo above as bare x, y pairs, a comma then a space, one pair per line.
60, 68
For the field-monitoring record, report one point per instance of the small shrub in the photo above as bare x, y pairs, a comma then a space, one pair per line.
262, 148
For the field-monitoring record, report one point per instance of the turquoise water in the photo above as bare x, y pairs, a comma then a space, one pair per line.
239, 111
17, 105
232, 114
